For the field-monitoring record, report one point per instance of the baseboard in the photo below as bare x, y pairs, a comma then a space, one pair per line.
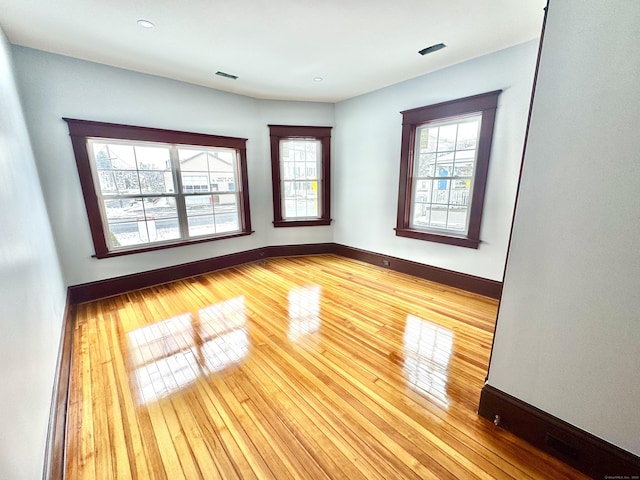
87, 292
582, 450
470, 283
303, 249
54, 462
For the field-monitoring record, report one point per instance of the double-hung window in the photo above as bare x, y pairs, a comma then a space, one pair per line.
300, 172
443, 170
147, 188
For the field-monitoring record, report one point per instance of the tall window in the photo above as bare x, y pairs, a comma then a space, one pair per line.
147, 188
443, 170
300, 171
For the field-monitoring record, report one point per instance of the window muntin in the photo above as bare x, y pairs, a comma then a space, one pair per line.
143, 193
445, 153
444, 163
300, 171
300, 174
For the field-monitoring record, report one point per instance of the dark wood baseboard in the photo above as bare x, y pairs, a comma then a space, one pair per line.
303, 249
87, 292
54, 462
470, 283
583, 451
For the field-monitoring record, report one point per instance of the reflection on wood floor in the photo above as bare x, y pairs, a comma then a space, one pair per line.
309, 367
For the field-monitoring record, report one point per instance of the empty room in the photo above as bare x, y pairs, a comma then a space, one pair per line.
381, 240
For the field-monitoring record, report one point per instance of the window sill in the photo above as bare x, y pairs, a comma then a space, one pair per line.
162, 246
302, 223
448, 239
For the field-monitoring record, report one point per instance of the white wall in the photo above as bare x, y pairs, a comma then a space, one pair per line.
365, 156
292, 113
32, 294
367, 142
54, 86
568, 333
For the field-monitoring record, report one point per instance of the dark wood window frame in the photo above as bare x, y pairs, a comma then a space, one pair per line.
484, 104
82, 130
323, 134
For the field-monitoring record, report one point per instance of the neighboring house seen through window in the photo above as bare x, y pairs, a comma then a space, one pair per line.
443, 170
148, 188
300, 171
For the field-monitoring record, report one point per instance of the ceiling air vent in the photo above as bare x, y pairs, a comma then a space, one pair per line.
432, 48
227, 75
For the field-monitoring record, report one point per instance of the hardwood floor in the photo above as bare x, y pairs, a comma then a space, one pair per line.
308, 367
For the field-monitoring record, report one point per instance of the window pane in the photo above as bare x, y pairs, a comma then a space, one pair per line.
289, 208
125, 234
221, 160
447, 137
464, 166
423, 191
123, 210
226, 223
300, 156
139, 221
225, 216
126, 182
421, 214
443, 173
300, 161
160, 207
114, 156
210, 170
191, 159
156, 182
153, 158
287, 171
166, 229
195, 182
460, 193
438, 216
426, 165
226, 213
468, 134
201, 225
428, 139
199, 205
301, 199
457, 219
107, 181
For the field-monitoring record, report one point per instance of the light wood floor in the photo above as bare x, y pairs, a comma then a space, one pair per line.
315, 367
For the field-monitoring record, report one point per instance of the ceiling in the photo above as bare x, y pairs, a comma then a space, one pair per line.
275, 47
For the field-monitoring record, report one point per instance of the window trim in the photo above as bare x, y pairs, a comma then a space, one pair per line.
484, 104
81, 130
322, 134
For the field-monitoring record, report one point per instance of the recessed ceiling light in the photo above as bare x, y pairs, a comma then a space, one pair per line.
318, 79
432, 48
145, 24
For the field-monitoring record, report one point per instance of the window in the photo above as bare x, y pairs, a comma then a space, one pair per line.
443, 169
300, 172
146, 188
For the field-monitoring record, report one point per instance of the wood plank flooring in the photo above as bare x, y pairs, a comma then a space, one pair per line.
314, 367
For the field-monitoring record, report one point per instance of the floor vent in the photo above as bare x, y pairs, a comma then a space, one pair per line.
561, 447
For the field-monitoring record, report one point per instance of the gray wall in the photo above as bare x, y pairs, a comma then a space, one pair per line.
55, 86
365, 161
32, 293
368, 134
568, 334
